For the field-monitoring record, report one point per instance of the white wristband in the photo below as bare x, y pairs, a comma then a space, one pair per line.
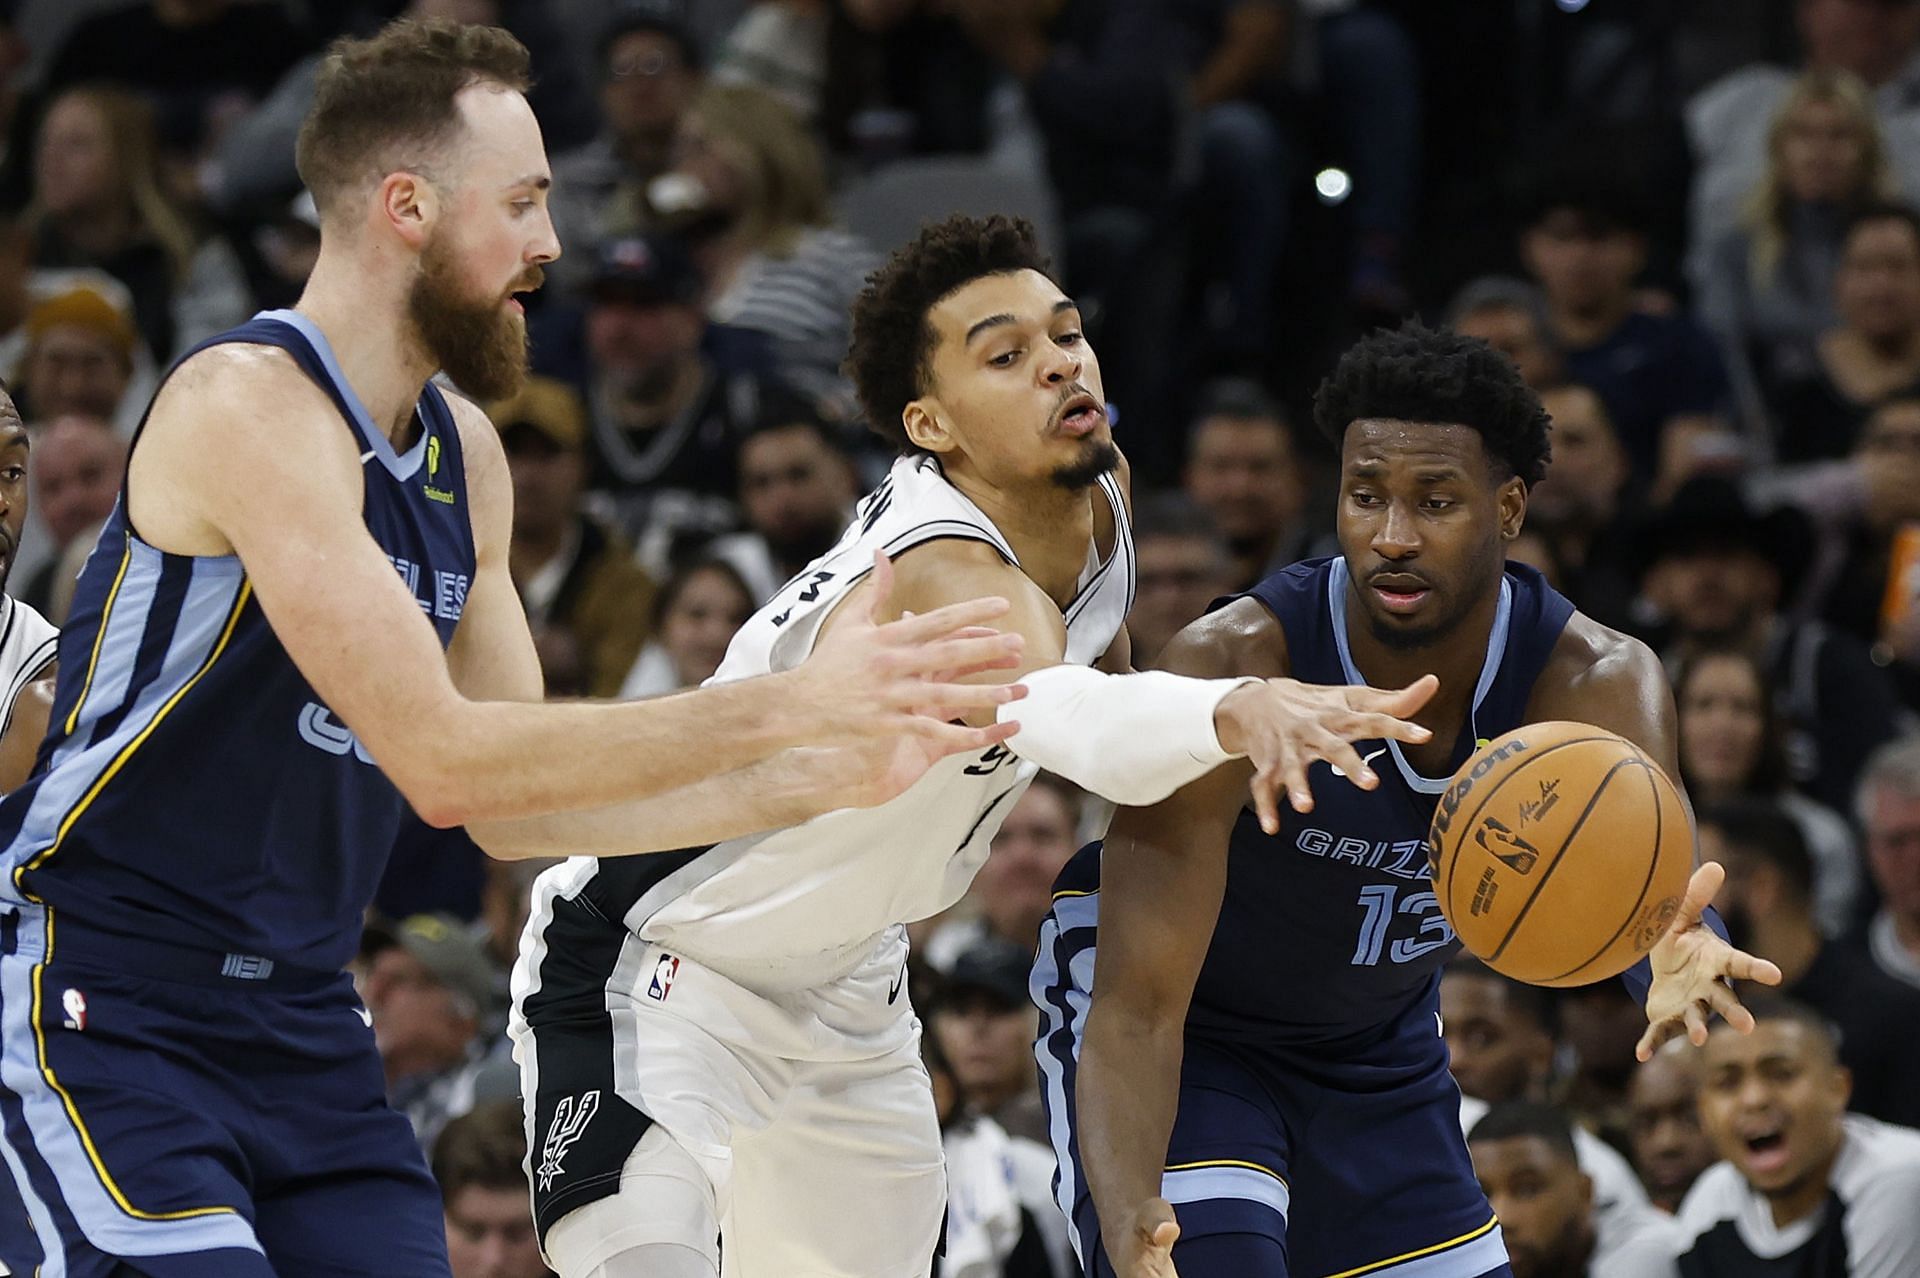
1132, 738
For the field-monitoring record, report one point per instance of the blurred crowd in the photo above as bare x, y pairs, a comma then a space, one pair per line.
1688, 224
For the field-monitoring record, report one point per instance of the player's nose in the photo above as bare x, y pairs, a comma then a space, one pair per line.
1398, 536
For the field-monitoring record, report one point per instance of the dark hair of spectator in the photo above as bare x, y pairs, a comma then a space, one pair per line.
1173, 514
387, 101
1417, 374
1512, 1120
1762, 828
1603, 199
782, 409
676, 585
1770, 774
1884, 211
485, 1147
1238, 397
890, 359
1535, 1002
657, 18
1770, 1005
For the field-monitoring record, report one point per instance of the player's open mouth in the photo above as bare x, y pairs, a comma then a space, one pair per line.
513, 304
1079, 416
1767, 1150
1399, 593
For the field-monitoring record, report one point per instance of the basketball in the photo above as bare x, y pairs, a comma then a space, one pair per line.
1560, 853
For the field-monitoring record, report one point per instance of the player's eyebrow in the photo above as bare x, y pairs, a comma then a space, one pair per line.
538, 181
1006, 317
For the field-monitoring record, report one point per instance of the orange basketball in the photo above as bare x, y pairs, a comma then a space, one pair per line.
1560, 853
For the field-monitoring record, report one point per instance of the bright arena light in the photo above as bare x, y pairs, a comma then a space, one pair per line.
1571, 6
1333, 185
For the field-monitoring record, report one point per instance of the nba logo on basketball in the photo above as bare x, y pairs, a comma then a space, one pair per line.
663, 974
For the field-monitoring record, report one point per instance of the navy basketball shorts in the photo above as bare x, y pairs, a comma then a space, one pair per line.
189, 1115
1285, 1162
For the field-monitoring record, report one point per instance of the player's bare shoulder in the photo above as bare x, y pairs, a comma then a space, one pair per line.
489, 489
1241, 638
1591, 659
233, 418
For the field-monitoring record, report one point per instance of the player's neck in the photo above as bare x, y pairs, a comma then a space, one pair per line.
1580, 329
1805, 1196
1048, 527
372, 341
1456, 657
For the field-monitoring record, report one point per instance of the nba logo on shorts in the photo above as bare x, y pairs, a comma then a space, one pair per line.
74, 1003
663, 974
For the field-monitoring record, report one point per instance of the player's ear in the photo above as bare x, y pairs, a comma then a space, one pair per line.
1513, 507
409, 205
926, 427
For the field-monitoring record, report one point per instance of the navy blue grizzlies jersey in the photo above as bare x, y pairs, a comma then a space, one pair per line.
193, 789
1331, 928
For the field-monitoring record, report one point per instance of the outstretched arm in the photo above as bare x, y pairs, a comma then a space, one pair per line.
1611, 681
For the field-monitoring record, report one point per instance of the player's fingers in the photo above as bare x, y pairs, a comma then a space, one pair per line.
1742, 966
989, 652
965, 697
1349, 763
1696, 1025
1265, 787
1700, 892
953, 738
1397, 702
1378, 727
1731, 1009
942, 622
1649, 1044
1293, 775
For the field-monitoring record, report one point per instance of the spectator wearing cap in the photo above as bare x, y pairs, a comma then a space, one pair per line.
79, 359
985, 1025
1181, 565
78, 463
1661, 375
1818, 406
797, 489
749, 192
649, 69
572, 571
666, 419
1510, 315
1243, 472
479, 1162
430, 990
1724, 575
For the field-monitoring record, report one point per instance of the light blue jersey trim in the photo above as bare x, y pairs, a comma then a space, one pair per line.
399, 466
1206, 1184
1489, 669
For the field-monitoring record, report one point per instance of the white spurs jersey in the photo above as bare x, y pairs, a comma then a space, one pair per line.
800, 906
28, 644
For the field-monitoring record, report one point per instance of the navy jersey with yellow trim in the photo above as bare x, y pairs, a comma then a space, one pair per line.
193, 789
1331, 928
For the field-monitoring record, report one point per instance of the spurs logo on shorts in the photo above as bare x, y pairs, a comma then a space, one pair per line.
570, 1119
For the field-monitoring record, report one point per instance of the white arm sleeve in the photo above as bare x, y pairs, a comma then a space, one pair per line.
1133, 738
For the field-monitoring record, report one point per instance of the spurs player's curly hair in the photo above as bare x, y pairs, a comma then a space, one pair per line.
890, 357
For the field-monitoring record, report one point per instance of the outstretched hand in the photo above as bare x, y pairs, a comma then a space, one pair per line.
1691, 967
1143, 1247
1283, 726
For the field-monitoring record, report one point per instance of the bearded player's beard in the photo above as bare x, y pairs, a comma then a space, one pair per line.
480, 343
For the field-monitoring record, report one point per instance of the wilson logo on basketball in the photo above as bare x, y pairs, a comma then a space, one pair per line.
1509, 848
1450, 801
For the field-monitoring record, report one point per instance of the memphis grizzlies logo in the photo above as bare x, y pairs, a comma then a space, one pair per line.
570, 1119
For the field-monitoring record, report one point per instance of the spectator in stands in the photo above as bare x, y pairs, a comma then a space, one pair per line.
1600, 1025
573, 572
1873, 352
1720, 572
1181, 565
667, 420
649, 72
1002, 1221
1014, 889
985, 1025
1732, 748
1767, 287
1767, 904
906, 78
1524, 1154
1806, 1188
749, 190
1241, 470
1510, 315
1586, 505
695, 616
1663, 1105
781, 48
79, 360
98, 202
1728, 123
429, 989
1888, 810
1660, 375
1500, 1046
479, 1161
797, 489
78, 463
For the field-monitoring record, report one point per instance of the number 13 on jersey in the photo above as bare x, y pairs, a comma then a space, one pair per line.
1379, 903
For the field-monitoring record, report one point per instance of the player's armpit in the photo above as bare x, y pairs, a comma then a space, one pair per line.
26, 726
